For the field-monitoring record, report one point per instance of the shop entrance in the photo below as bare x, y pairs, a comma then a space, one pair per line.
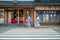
18, 16
15, 16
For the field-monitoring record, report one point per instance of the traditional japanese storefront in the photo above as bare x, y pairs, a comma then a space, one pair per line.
49, 15
11, 11
49, 11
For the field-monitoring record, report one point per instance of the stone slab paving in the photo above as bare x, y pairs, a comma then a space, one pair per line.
3, 29
24, 33
30, 34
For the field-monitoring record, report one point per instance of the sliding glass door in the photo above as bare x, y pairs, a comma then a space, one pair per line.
49, 16
17, 16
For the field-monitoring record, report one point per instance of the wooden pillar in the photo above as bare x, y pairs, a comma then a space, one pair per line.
5, 17
9, 17
24, 15
18, 15
34, 17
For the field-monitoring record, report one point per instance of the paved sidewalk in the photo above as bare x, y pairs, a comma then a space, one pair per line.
18, 33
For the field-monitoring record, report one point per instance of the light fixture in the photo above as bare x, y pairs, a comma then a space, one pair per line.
54, 14
51, 15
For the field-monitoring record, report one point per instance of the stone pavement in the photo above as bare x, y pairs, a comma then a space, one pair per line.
18, 33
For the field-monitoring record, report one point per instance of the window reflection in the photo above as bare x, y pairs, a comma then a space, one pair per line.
45, 17
1, 16
49, 15
54, 14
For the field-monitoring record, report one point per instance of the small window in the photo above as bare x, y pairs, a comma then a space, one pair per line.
45, 17
28, 12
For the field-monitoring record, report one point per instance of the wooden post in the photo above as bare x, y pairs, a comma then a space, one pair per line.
9, 17
5, 17
18, 15
34, 18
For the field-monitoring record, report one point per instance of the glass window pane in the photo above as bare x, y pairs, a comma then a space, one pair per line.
58, 17
1, 16
54, 17
51, 18
45, 17
41, 17
28, 12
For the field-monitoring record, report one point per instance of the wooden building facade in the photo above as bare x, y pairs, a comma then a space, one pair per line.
49, 11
